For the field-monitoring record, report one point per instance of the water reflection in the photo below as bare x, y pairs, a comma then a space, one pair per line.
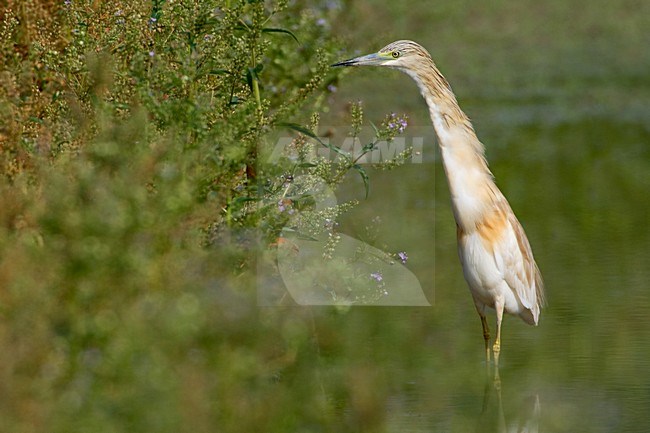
422, 370
481, 406
523, 417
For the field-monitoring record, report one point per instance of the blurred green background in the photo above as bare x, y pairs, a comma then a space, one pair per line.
115, 316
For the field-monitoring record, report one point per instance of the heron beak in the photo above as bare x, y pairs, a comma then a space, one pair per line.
368, 60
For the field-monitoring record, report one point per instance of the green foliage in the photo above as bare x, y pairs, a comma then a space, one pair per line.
135, 193
128, 153
211, 79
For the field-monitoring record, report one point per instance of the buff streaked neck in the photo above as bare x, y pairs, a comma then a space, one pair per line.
471, 184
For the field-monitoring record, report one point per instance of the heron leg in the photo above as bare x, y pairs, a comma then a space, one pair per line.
486, 337
480, 309
496, 348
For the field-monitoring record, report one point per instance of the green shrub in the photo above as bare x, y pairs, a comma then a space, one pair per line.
129, 135
134, 189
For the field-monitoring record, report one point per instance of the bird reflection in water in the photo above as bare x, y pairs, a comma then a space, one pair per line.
523, 417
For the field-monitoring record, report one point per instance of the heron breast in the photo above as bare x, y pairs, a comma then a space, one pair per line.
483, 274
479, 266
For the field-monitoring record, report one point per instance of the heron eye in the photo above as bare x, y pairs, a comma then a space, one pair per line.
395, 54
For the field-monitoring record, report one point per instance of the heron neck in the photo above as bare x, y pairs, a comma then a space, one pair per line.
470, 181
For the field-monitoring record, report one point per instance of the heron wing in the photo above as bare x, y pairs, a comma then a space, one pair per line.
514, 258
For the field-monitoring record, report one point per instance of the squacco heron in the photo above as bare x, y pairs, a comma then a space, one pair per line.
495, 254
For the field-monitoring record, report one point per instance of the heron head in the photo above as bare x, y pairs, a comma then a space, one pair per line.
399, 54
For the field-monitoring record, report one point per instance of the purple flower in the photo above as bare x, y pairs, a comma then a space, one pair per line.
332, 88
402, 256
321, 22
281, 206
377, 276
333, 4
153, 20
402, 125
152, 53
396, 123
67, 2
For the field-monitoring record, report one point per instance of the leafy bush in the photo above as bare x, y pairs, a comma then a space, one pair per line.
133, 141
129, 134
